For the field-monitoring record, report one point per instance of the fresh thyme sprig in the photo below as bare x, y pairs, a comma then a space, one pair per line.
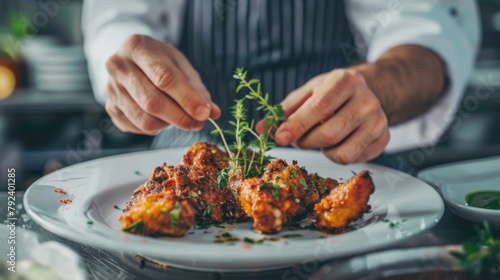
274, 114
483, 256
242, 154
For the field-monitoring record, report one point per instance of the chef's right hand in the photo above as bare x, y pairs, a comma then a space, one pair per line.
152, 85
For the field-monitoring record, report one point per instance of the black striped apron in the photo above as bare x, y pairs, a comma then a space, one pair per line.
284, 43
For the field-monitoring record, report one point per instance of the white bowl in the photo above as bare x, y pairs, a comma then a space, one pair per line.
455, 180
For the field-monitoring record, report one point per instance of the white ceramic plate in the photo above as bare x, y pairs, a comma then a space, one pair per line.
402, 206
455, 180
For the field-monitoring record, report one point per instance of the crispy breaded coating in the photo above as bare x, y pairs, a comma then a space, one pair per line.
206, 155
193, 182
345, 203
323, 185
159, 214
145, 189
283, 193
232, 206
162, 173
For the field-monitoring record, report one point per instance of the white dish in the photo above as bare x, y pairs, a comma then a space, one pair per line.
95, 187
63, 87
58, 68
455, 180
53, 53
62, 78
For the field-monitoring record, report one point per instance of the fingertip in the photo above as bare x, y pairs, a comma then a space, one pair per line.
215, 111
283, 138
259, 127
202, 112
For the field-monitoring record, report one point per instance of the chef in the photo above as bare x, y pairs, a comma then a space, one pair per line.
355, 78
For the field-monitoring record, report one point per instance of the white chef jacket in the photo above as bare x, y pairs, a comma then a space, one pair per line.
450, 28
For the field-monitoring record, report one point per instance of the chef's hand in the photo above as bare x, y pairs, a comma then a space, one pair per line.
338, 113
152, 85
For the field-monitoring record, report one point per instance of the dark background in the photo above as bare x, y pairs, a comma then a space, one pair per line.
42, 130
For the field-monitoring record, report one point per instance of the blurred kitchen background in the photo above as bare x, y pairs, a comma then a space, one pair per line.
49, 118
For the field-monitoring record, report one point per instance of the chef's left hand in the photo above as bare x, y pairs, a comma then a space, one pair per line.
337, 113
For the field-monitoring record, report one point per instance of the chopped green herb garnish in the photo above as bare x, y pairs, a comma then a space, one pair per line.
273, 188
209, 209
292, 173
277, 178
89, 222
137, 173
116, 207
202, 225
316, 182
291, 235
174, 214
137, 226
248, 240
354, 173
226, 235
323, 189
393, 224
275, 192
222, 178
304, 185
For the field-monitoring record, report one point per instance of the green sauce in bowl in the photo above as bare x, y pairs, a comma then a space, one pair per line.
484, 199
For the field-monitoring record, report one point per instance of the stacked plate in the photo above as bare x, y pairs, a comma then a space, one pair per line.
55, 67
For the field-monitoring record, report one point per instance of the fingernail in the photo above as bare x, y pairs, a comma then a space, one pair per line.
202, 112
283, 138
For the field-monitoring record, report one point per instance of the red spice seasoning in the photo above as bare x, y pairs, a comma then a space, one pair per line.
65, 201
59, 190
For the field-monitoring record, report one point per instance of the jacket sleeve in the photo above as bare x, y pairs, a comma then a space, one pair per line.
449, 28
108, 23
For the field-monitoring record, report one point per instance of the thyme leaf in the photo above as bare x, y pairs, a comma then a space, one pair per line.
222, 178
137, 226
209, 209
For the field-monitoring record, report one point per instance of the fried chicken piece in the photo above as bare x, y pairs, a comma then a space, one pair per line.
279, 172
193, 182
207, 155
323, 185
162, 173
232, 206
196, 178
147, 188
345, 203
283, 193
159, 214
